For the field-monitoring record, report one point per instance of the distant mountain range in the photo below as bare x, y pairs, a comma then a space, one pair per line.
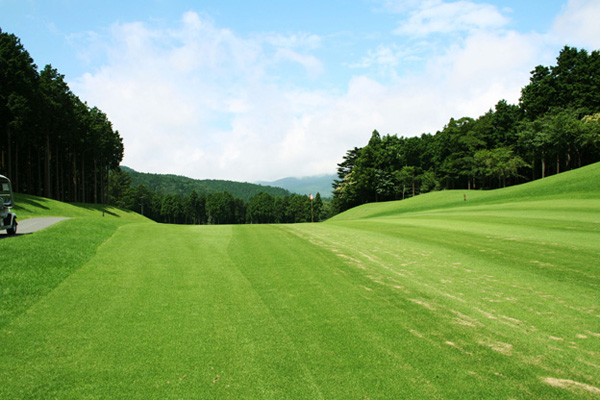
175, 184
307, 185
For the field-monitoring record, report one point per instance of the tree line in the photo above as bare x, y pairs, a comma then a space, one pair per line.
214, 208
554, 128
52, 143
176, 184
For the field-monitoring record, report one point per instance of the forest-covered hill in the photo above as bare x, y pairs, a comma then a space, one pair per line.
181, 185
554, 128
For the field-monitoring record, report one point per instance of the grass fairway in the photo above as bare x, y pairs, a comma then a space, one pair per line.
497, 297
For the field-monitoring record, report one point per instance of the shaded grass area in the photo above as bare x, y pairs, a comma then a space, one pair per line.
33, 265
28, 206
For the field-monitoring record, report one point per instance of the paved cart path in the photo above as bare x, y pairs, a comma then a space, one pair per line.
35, 224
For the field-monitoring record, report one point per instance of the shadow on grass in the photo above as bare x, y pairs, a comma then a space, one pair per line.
29, 204
6, 235
95, 207
23, 199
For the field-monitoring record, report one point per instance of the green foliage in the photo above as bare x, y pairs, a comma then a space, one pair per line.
51, 143
572, 83
261, 209
183, 186
214, 208
554, 128
121, 194
501, 163
582, 183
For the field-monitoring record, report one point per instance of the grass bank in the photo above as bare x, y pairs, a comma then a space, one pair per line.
32, 265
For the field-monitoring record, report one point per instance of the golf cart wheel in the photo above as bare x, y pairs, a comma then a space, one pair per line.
13, 229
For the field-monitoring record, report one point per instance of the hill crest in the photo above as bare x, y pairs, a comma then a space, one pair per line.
176, 184
581, 183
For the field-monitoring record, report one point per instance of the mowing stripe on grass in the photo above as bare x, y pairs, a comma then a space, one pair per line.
160, 312
411, 307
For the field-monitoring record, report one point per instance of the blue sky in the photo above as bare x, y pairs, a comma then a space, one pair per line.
260, 90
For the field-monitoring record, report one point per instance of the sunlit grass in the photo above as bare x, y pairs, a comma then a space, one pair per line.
489, 299
580, 184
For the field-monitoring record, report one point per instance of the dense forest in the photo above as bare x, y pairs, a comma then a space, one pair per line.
181, 185
52, 144
554, 128
212, 207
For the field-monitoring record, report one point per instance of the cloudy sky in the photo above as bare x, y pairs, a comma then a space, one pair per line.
261, 90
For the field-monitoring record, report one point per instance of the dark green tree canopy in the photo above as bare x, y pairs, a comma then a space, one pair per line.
554, 128
51, 143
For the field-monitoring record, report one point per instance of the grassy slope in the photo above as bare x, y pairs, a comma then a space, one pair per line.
580, 184
33, 265
27, 206
489, 299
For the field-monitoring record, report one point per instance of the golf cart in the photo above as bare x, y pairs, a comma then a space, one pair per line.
8, 219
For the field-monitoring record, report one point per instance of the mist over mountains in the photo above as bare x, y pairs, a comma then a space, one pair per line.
305, 185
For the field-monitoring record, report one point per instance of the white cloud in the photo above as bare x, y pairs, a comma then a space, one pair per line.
437, 16
578, 24
303, 40
313, 66
205, 102
486, 68
383, 55
197, 100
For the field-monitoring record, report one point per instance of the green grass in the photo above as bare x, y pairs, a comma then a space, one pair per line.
580, 184
32, 265
496, 297
27, 206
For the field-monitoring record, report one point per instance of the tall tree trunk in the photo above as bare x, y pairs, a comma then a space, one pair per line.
56, 175
83, 199
29, 171
74, 191
9, 153
47, 176
40, 181
16, 183
557, 164
543, 165
96, 182
105, 189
